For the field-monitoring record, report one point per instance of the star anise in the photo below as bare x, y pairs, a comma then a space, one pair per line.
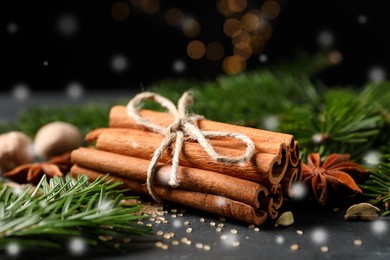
334, 179
33, 172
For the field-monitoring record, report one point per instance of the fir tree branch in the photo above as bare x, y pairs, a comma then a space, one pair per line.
54, 212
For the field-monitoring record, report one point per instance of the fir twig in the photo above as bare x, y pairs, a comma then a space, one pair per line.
54, 212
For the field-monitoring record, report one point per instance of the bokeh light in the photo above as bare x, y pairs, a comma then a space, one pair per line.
325, 39
279, 239
379, 227
257, 44
13, 249
150, 6
319, 236
67, 25
270, 10
264, 30
74, 90
299, 190
250, 22
263, 58
174, 17
376, 74
179, 66
12, 28
21, 92
271, 122
120, 11
236, 5
119, 63
362, 19
372, 158
232, 27
191, 27
215, 51
196, 49
233, 64
77, 246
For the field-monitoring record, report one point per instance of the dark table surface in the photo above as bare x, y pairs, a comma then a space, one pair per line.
320, 233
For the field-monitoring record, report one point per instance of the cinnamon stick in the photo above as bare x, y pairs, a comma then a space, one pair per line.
207, 202
189, 178
120, 119
263, 167
293, 175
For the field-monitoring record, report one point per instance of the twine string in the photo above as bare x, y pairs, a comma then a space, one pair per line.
183, 125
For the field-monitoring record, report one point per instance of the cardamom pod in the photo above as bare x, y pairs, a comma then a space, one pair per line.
285, 219
362, 211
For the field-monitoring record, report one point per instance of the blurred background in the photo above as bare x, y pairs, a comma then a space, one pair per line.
73, 46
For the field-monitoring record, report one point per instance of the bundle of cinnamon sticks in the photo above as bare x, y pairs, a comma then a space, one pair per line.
250, 192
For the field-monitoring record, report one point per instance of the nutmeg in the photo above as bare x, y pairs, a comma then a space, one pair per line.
15, 149
55, 139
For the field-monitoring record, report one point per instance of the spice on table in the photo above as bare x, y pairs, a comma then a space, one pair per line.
334, 178
33, 172
362, 211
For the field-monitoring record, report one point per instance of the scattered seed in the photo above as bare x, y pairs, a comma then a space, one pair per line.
159, 244
206, 247
105, 238
251, 226
256, 229
199, 245
212, 224
173, 210
157, 221
186, 223
183, 239
175, 242
336, 209
152, 219
357, 242
233, 231
165, 221
149, 225
127, 240
324, 249
299, 232
189, 230
294, 247
139, 222
218, 229
222, 219
220, 225
202, 220
160, 233
188, 242
167, 236
180, 215
223, 237
235, 244
174, 216
164, 247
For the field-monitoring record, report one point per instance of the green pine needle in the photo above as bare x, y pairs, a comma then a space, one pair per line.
54, 212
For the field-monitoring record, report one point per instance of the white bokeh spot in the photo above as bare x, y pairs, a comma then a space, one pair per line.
67, 24
263, 58
176, 223
298, 190
362, 19
325, 39
75, 90
21, 92
319, 236
119, 63
271, 122
179, 66
379, 226
77, 246
13, 249
372, 158
279, 239
376, 74
12, 28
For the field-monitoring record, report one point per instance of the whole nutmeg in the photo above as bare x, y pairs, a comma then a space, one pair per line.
55, 139
16, 148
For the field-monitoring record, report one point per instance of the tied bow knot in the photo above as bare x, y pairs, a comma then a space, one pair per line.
183, 125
